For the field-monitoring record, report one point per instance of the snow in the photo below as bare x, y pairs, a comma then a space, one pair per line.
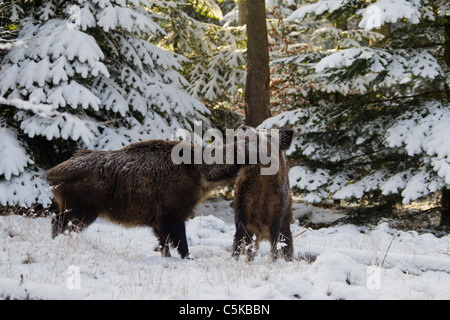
421, 132
317, 8
305, 179
424, 132
78, 84
374, 14
108, 261
14, 157
113, 17
388, 11
416, 187
25, 190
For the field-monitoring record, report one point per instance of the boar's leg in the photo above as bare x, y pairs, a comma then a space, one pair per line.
178, 238
173, 229
287, 249
59, 224
275, 229
73, 220
239, 241
243, 243
281, 239
163, 239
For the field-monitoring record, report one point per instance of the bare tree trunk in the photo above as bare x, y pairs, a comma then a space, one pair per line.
258, 73
445, 200
447, 40
242, 7
445, 203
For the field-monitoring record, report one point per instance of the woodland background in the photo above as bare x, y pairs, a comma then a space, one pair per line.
365, 84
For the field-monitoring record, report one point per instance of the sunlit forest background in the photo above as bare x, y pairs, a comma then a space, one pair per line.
365, 84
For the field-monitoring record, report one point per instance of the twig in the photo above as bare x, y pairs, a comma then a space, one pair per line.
387, 251
300, 234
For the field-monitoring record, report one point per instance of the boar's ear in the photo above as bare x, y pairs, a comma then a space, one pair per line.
286, 135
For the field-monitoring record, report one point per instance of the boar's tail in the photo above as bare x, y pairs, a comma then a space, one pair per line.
53, 176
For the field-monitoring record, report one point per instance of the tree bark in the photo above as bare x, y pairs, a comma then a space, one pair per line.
445, 204
258, 73
447, 40
445, 200
242, 17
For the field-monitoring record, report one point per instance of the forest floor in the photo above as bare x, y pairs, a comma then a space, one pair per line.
108, 261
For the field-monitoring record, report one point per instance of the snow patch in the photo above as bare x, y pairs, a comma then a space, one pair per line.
119, 263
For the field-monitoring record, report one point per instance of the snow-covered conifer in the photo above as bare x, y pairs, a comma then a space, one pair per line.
83, 74
216, 56
372, 85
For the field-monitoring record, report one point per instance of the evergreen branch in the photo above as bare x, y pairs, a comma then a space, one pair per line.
405, 97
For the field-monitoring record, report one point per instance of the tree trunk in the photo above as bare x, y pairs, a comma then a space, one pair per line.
242, 7
445, 203
258, 73
445, 200
447, 40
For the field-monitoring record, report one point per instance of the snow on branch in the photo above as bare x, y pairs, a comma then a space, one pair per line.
317, 8
13, 156
374, 14
388, 11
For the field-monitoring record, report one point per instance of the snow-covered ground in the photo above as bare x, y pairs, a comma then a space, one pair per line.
108, 261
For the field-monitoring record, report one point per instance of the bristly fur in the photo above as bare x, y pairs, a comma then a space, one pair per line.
263, 207
138, 185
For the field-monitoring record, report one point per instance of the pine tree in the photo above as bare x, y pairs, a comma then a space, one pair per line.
83, 74
373, 84
216, 57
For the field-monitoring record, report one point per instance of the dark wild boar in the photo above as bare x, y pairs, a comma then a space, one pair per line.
263, 204
138, 185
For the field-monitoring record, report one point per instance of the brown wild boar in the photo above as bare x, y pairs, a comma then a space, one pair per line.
263, 204
138, 185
